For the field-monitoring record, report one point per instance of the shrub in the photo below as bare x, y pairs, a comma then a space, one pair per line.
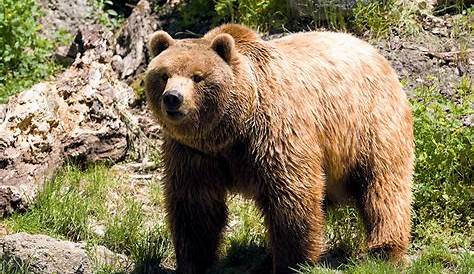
108, 13
263, 15
194, 14
24, 55
382, 17
200, 15
444, 158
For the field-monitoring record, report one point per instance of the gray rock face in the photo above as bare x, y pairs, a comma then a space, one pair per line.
77, 117
65, 15
43, 254
131, 48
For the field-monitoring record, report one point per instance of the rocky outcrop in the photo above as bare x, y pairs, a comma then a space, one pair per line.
43, 254
65, 15
131, 55
78, 117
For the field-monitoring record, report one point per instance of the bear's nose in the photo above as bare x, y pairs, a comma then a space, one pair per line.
172, 100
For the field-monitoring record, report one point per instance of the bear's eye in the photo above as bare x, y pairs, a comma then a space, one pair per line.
197, 78
164, 77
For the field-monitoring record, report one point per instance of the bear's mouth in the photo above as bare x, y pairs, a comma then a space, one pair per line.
174, 114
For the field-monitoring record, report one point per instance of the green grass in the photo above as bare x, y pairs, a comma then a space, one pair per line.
68, 206
9, 266
433, 259
262, 15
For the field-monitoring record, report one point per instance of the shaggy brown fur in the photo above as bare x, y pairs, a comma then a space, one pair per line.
288, 123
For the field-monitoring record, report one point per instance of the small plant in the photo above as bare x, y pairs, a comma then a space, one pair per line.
263, 15
106, 15
345, 231
153, 249
25, 57
10, 266
123, 231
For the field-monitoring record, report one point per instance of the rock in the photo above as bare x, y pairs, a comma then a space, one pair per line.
469, 120
3, 109
131, 43
9, 202
77, 117
65, 15
65, 55
42, 254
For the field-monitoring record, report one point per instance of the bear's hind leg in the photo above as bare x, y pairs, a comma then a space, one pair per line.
385, 204
295, 225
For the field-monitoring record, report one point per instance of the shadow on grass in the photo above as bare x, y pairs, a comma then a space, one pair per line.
244, 259
335, 258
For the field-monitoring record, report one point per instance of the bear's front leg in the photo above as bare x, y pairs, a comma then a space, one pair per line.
294, 218
196, 207
196, 227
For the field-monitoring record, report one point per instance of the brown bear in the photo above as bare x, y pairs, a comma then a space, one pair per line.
289, 123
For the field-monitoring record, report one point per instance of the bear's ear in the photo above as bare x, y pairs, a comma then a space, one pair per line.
223, 45
159, 41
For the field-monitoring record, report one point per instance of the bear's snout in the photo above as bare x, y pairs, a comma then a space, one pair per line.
172, 101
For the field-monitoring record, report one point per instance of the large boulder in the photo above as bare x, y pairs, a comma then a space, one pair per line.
77, 117
131, 54
42, 254
65, 15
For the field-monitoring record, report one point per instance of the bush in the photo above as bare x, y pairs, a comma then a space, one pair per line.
200, 15
382, 17
25, 56
263, 15
444, 159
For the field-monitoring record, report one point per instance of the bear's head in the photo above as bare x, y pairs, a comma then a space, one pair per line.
198, 88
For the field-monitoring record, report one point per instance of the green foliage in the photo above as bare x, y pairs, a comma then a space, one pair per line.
345, 230
10, 266
25, 57
200, 15
371, 266
383, 17
106, 15
123, 231
263, 15
138, 86
245, 239
435, 258
66, 204
196, 13
444, 164
151, 250
376, 18
247, 226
